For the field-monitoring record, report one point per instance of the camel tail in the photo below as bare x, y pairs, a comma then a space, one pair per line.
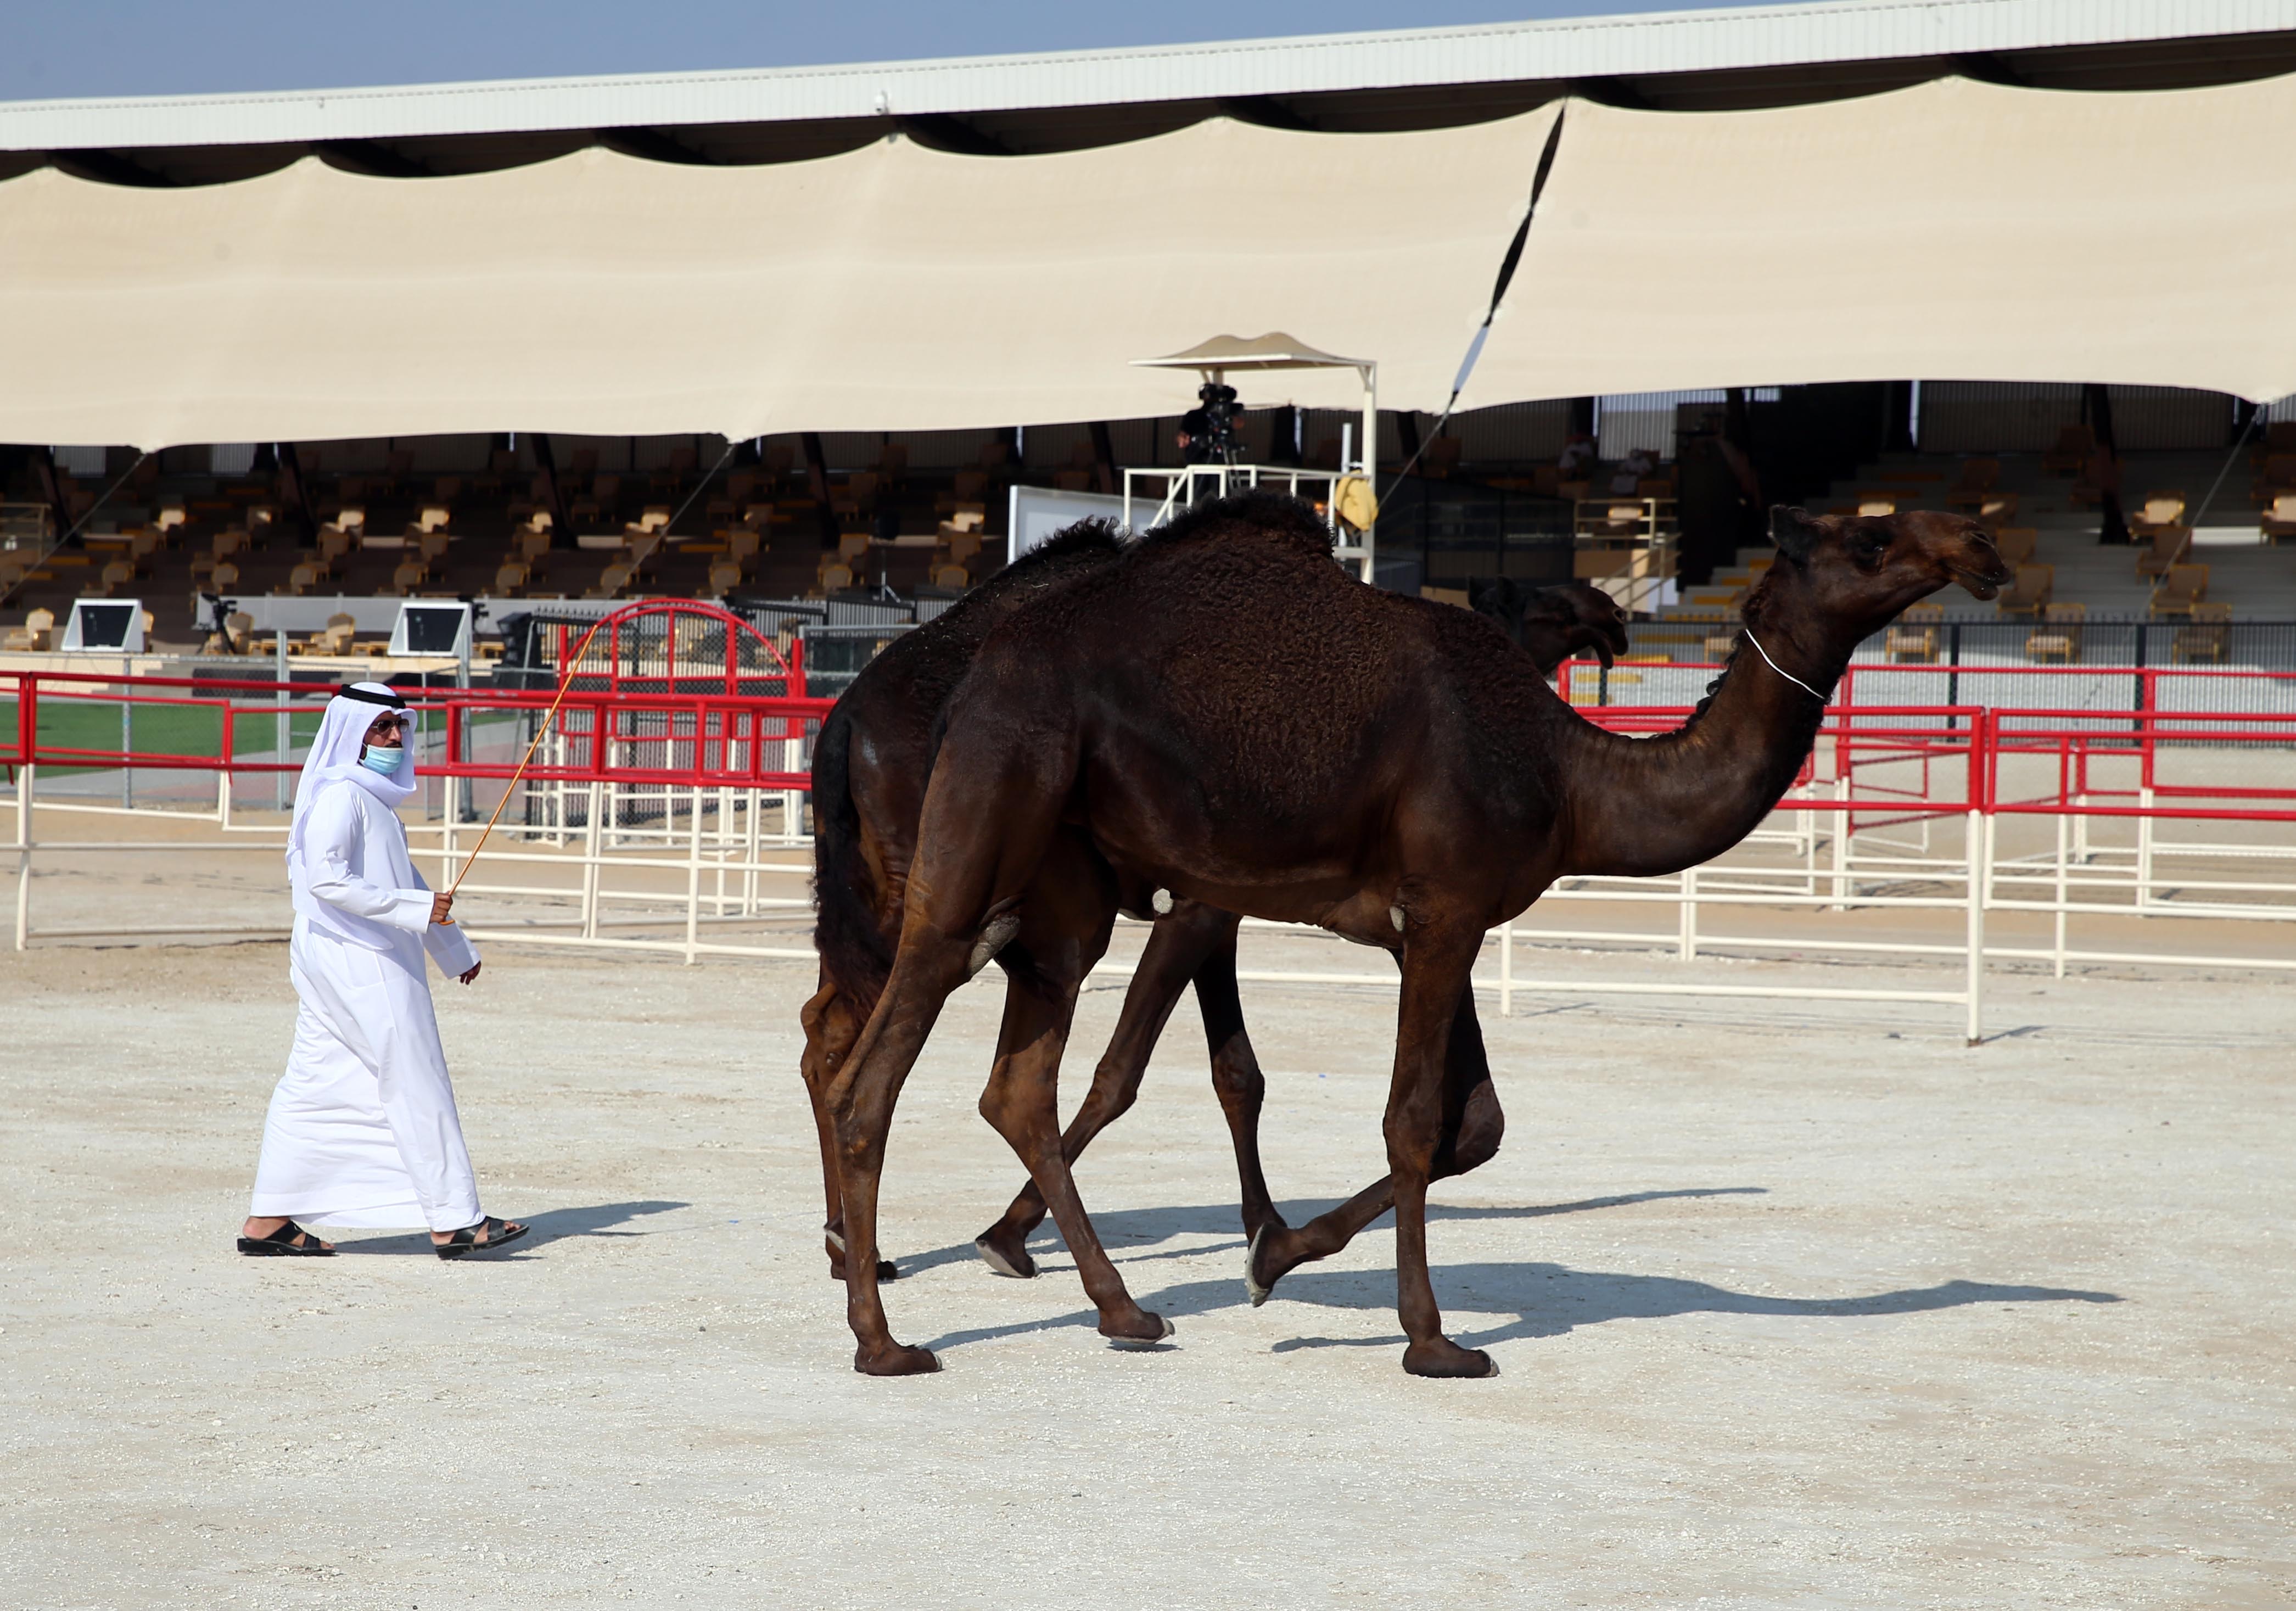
854, 952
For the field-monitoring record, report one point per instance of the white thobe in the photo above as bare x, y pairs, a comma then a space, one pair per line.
363, 1130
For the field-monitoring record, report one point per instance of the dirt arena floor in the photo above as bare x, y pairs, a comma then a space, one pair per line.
1796, 1306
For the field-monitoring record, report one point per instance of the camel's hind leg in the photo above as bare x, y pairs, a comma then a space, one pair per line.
1473, 1126
1063, 931
1186, 944
831, 1028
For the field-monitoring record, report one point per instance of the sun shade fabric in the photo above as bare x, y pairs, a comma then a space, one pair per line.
889, 288
1952, 230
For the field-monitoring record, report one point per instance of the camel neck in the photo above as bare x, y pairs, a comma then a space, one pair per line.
1643, 807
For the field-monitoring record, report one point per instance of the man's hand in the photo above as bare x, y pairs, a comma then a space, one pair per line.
442, 903
473, 973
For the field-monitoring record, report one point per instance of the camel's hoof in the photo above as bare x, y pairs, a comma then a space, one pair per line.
896, 1361
1444, 1358
1259, 1274
886, 1270
1007, 1259
1165, 1329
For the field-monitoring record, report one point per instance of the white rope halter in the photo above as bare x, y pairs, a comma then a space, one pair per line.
1780, 669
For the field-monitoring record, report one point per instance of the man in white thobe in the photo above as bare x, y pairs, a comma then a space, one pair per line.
363, 1130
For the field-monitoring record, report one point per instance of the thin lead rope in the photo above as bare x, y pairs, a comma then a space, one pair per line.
1780, 669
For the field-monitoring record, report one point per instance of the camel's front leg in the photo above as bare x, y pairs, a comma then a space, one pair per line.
1437, 960
1472, 1128
1063, 931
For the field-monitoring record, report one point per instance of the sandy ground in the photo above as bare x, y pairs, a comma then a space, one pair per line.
1795, 1305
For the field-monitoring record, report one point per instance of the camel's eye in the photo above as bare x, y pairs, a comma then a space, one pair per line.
1867, 546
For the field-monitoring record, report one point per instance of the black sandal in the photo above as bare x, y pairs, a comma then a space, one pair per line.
464, 1241
289, 1241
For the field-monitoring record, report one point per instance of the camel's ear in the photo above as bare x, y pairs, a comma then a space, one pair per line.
1793, 530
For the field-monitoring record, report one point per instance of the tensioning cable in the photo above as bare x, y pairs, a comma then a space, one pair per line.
1498, 290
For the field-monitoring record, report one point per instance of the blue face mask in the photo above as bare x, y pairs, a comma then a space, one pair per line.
374, 758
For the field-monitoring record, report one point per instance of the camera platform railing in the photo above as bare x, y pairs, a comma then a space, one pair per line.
1153, 496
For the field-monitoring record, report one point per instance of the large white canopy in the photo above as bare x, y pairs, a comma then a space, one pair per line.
1955, 230
889, 288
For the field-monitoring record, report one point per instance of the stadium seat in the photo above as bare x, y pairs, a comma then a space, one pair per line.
834, 577
37, 633
225, 576
2058, 636
2159, 512
619, 573
1913, 637
508, 581
2028, 594
2279, 519
116, 574
2016, 544
409, 576
305, 576
2207, 638
724, 575
742, 545
2180, 589
1875, 504
952, 576
335, 638
2167, 547
238, 628
1998, 510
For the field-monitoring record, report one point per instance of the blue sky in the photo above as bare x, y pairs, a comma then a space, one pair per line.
55, 48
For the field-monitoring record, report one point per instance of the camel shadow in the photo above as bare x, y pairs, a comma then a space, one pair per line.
551, 1225
1545, 1300
1122, 1230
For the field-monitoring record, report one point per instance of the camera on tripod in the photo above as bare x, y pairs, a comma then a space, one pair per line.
1210, 426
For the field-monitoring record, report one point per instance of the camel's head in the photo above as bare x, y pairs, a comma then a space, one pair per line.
1871, 567
1553, 623
1589, 618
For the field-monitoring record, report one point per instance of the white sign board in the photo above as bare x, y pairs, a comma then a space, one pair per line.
116, 624
431, 629
1035, 514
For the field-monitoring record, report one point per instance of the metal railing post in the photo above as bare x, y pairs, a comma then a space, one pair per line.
2063, 851
591, 844
1975, 845
24, 780
1689, 940
1506, 969
693, 880
127, 737
279, 671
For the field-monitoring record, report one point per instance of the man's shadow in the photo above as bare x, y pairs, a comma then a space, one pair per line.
1544, 1300
551, 1225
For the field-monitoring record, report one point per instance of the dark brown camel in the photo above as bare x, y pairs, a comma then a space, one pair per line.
870, 762
1197, 943
1221, 713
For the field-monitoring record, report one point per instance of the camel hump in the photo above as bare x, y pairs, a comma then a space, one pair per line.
1256, 517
